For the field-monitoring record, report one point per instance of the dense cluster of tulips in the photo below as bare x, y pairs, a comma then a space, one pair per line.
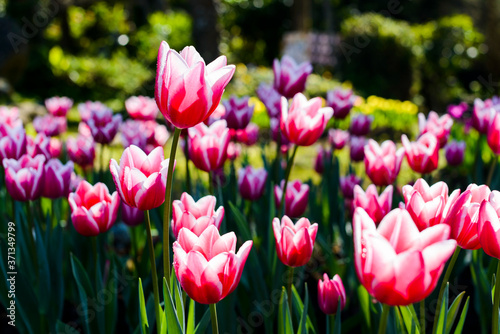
94, 246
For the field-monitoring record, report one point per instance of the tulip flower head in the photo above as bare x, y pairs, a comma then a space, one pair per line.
186, 90
207, 266
296, 197
329, 292
13, 142
238, 112
271, 99
357, 145
93, 209
141, 108
208, 145
103, 124
87, 109
341, 100
294, 242
482, 114
397, 264
9, 117
428, 205
375, 206
289, 77
321, 158
251, 182
454, 152
133, 133
50, 125
57, 179
438, 126
493, 133
140, 179
423, 154
131, 216
24, 177
360, 124
382, 162
233, 150
58, 106
305, 121
196, 216
457, 110
338, 138
81, 150
347, 184
248, 136
489, 225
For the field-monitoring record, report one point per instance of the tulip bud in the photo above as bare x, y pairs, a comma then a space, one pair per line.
294, 242
57, 179
295, 199
251, 182
376, 206
360, 125
141, 108
208, 145
382, 162
58, 106
329, 292
438, 126
289, 77
338, 138
24, 177
238, 112
341, 100
454, 152
423, 154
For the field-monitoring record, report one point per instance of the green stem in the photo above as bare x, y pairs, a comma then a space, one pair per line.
289, 288
167, 207
213, 315
101, 164
211, 182
277, 161
31, 230
330, 323
492, 170
446, 277
153, 272
422, 314
496, 302
188, 173
289, 165
383, 320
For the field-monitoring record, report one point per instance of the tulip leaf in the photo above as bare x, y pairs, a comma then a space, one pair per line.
461, 322
179, 304
364, 300
57, 277
172, 320
443, 314
203, 324
43, 273
101, 315
303, 312
338, 321
410, 319
241, 222
453, 311
61, 327
84, 290
112, 306
284, 318
143, 316
297, 301
191, 317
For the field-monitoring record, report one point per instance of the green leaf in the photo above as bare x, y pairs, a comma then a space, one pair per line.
203, 324
453, 311
143, 316
461, 322
111, 308
284, 318
441, 325
191, 317
84, 290
298, 301
179, 303
410, 319
303, 310
241, 222
172, 321
61, 327
364, 300
338, 320
43, 273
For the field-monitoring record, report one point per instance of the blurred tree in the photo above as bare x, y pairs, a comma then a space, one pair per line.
205, 27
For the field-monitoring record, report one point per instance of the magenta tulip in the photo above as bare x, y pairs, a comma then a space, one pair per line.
50, 125
338, 138
375, 206
329, 292
454, 152
397, 264
457, 110
133, 132
13, 142
208, 145
233, 150
289, 77
104, 125
141, 108
87, 109
294, 242
271, 99
321, 158
57, 179
93, 209
251, 182
24, 177
195, 216
296, 197
130, 215
341, 100
357, 148
207, 267
482, 114
140, 179
489, 225
423, 154
238, 112
9, 117
58, 106
360, 125
347, 184
382, 162
81, 150
248, 136
438, 126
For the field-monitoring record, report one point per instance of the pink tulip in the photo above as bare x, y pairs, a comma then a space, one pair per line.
294, 242
289, 77
423, 154
233, 150
195, 216
50, 125
357, 145
296, 197
207, 267
48, 147
248, 136
217, 115
321, 158
132, 216
81, 150
382, 162
87, 109
55, 147
338, 138
438, 126
24, 177
57, 179
13, 142
482, 114
457, 111
360, 125
208, 145
141, 108
238, 112
493, 133
347, 184
396, 263
187, 91
9, 117
252, 182
375, 206
156, 134
329, 292
93, 209
305, 122
58, 106
140, 179
341, 100
428, 206
489, 225
133, 133
271, 99
454, 152
104, 125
